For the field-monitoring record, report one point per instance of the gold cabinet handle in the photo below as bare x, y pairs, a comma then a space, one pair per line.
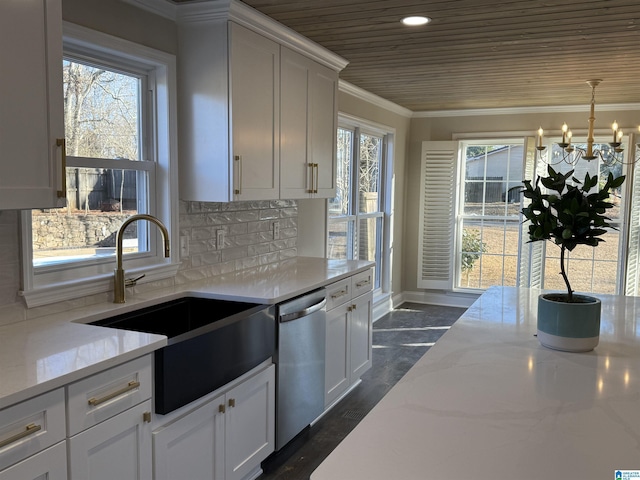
341, 293
146, 417
238, 158
363, 283
132, 385
62, 143
310, 177
221, 408
29, 430
232, 402
354, 307
315, 183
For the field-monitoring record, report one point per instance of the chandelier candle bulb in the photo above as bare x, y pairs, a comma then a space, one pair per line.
615, 130
540, 132
564, 132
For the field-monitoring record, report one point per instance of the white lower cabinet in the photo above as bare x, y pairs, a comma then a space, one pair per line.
349, 335
109, 423
225, 438
116, 448
193, 446
50, 464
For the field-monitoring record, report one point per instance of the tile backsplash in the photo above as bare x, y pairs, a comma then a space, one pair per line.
249, 237
248, 242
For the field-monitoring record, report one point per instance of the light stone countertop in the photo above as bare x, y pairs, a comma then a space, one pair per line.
42, 354
487, 401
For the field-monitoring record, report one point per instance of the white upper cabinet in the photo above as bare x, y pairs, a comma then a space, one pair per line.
246, 115
229, 104
31, 111
308, 117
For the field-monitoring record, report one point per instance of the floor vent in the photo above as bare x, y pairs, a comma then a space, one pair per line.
353, 415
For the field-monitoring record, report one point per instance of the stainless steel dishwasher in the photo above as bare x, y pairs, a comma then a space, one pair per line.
300, 364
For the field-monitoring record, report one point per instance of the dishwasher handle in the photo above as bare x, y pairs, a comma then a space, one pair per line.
287, 317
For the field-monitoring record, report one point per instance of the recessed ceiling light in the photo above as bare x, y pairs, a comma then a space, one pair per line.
415, 21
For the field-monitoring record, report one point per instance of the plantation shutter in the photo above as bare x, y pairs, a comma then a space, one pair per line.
632, 282
531, 266
437, 215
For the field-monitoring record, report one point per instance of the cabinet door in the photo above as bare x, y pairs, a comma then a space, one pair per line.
250, 424
361, 336
116, 448
308, 106
255, 112
31, 112
323, 129
337, 353
192, 447
296, 170
50, 464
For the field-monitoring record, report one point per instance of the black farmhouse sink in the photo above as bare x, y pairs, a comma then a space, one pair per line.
211, 342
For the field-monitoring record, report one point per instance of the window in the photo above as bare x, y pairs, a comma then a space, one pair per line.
117, 99
488, 219
597, 270
357, 213
480, 215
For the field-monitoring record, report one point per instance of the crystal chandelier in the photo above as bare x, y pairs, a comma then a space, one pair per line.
572, 154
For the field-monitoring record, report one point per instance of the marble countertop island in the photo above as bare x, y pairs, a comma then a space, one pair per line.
41, 354
487, 401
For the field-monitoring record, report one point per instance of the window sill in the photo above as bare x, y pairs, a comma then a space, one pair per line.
80, 288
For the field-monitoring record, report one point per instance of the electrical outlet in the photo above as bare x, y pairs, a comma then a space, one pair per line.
184, 246
220, 239
276, 230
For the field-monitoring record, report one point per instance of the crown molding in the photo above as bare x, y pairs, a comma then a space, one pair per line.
163, 8
525, 110
367, 96
238, 12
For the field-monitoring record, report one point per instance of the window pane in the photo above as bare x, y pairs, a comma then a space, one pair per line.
98, 201
370, 242
340, 204
102, 109
369, 175
488, 253
340, 240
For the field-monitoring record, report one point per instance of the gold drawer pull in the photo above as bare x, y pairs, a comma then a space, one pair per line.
29, 430
341, 293
132, 385
363, 283
232, 402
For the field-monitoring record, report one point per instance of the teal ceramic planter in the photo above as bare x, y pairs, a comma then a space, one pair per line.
570, 327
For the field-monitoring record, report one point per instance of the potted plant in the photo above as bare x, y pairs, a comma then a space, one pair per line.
569, 216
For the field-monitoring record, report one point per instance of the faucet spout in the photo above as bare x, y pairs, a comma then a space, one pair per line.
118, 279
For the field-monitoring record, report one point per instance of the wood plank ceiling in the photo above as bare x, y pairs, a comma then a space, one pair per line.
477, 54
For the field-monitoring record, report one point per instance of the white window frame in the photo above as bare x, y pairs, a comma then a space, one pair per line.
460, 217
359, 126
55, 283
625, 231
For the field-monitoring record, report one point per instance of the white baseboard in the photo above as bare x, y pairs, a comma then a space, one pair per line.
446, 299
381, 306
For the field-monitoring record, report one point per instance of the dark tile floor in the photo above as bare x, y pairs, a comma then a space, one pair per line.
400, 338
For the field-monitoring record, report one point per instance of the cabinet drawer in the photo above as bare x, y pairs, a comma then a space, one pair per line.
101, 396
50, 464
362, 282
338, 293
31, 426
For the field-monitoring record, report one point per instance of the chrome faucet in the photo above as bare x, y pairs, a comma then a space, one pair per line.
118, 280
